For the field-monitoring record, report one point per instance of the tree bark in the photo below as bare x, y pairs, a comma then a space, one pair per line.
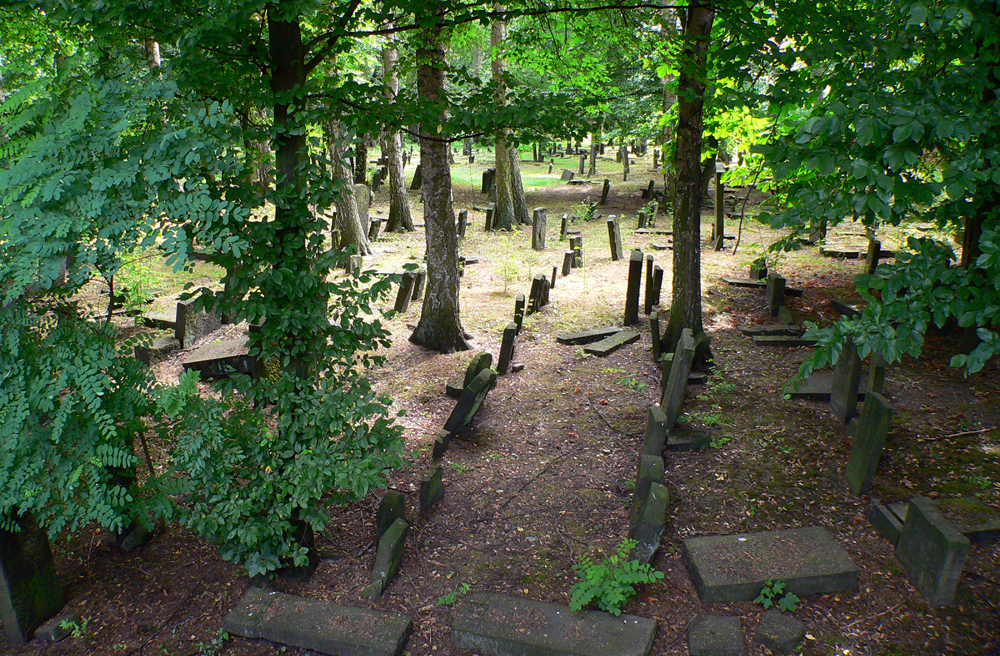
521, 213
685, 308
440, 326
399, 204
348, 222
506, 216
625, 163
361, 162
595, 138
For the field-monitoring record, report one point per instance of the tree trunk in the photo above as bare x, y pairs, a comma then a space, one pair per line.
506, 216
352, 233
440, 326
521, 213
399, 204
595, 138
685, 308
361, 162
625, 163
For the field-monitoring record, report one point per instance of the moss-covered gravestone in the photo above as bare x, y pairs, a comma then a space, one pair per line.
387, 559
391, 508
876, 416
29, 588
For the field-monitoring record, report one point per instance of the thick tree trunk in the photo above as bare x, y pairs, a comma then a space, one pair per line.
595, 138
521, 213
440, 326
399, 204
625, 163
685, 308
361, 162
505, 213
352, 233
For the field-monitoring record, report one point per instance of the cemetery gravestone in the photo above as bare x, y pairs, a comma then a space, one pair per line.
552, 283
775, 293
583, 163
463, 222
506, 348
363, 200
519, 307
657, 284
562, 227
655, 207
567, 175
418, 178
391, 508
539, 219
872, 257
615, 238
932, 552
758, 269
387, 558
587, 336
632, 291
490, 218
489, 180
471, 400
29, 588
876, 416
715, 635
567, 262
647, 304
374, 228
576, 245
652, 521
876, 374
680, 369
550, 168
419, 280
191, 324
605, 190
654, 331
431, 490
642, 221
780, 633
656, 432
719, 229
846, 379
648, 192
405, 293
650, 471
536, 298
609, 345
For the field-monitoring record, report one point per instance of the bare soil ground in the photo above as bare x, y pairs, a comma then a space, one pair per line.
544, 475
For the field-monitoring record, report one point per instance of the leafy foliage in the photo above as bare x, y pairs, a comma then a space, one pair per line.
611, 582
773, 594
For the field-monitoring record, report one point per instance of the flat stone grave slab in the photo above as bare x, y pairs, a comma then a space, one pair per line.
321, 626
653, 231
771, 329
970, 517
164, 319
780, 633
843, 252
659, 247
787, 341
687, 439
932, 552
755, 284
735, 567
609, 345
849, 307
715, 635
819, 385
884, 521
220, 359
492, 624
587, 336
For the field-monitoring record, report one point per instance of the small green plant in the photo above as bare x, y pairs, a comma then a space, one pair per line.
584, 210
611, 582
450, 598
707, 419
77, 629
212, 648
134, 284
459, 468
773, 594
631, 382
719, 442
509, 269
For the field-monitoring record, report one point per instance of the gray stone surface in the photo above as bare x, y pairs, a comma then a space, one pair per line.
876, 416
609, 345
463, 223
520, 305
656, 432
491, 624
480, 361
375, 229
884, 521
539, 220
405, 293
786, 341
419, 281
471, 400
567, 175
650, 471
657, 284
652, 521
654, 334
605, 190
431, 489
192, 325
775, 289
576, 245
633, 288
757, 284
771, 329
567, 265
58, 628
615, 238
647, 299
29, 587
680, 368
735, 567
846, 382
973, 518
506, 348
819, 385
322, 626
165, 319
387, 559
932, 552
221, 359
780, 633
587, 336
391, 508
363, 201
160, 348
687, 439
715, 635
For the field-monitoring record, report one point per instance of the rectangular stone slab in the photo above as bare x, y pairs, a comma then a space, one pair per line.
492, 624
771, 329
761, 284
221, 359
932, 552
735, 567
819, 385
788, 341
609, 345
587, 336
322, 626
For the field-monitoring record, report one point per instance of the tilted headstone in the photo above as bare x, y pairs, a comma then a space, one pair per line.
876, 416
431, 490
775, 293
418, 178
539, 295
657, 284
846, 380
576, 245
29, 588
648, 191
632, 291
539, 219
615, 238
758, 269
479, 362
876, 374
647, 304
562, 226
872, 257
654, 331
567, 262
680, 369
471, 400
567, 175
419, 281
405, 294
650, 471
583, 163
652, 521
506, 348
191, 324
552, 282
817, 231
642, 220
932, 552
472, 159
519, 308
374, 228
387, 559
489, 180
491, 211
463, 222
605, 190
391, 508
656, 432
550, 168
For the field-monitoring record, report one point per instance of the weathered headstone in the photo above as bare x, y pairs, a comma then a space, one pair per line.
320, 626
876, 374
775, 293
191, 324
419, 281
647, 304
550, 168
567, 262
506, 348
539, 220
536, 297
657, 284
583, 163
609, 345
632, 290
656, 432
758, 269
719, 228
405, 293
519, 308
647, 193
374, 228
615, 238
431, 490
29, 588
587, 336
654, 331
391, 508
652, 521
158, 349
491, 210
932, 552
846, 380
567, 175
387, 559
489, 180
884, 521
872, 257
463, 222
605, 190
876, 416
468, 405
363, 201
715, 635
552, 282
576, 245
780, 633
418, 178
650, 471
680, 368
643, 221
221, 359
817, 230
654, 208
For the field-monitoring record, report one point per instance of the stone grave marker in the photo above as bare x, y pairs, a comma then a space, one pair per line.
491, 624
609, 345
519, 307
884, 521
538, 294
506, 348
418, 178
374, 229
419, 281
632, 291
876, 416
489, 180
715, 635
846, 381
192, 325
550, 168
583, 163
431, 490
471, 400
735, 567
555, 273
876, 374
788, 341
567, 175
650, 471
576, 245
587, 336
391, 508
29, 587
647, 193
872, 256
680, 369
643, 223
647, 301
387, 559
719, 227
481, 361
932, 552
654, 331
463, 222
221, 359
758, 269
780, 633
605, 190
363, 201
562, 227
970, 517
655, 207
652, 521
567, 262
158, 349
491, 212
775, 293
539, 220
657, 284
405, 293
615, 238
656, 432
321, 626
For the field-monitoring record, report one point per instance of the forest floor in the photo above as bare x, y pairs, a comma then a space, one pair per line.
544, 475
